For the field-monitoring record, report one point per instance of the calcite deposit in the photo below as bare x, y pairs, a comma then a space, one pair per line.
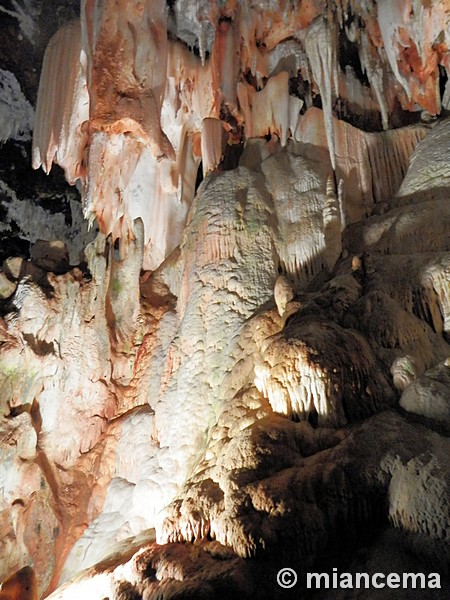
226, 349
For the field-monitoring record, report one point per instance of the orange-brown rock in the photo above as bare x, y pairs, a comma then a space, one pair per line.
20, 586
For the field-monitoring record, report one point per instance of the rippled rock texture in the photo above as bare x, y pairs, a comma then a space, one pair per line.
246, 366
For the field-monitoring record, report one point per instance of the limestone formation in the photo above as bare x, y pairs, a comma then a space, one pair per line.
282, 293
428, 395
244, 364
20, 586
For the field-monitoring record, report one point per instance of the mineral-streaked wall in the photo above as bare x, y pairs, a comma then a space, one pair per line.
276, 387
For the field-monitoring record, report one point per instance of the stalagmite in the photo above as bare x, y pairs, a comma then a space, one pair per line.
332, 228
283, 293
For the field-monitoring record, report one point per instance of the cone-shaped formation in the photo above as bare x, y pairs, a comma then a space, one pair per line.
62, 112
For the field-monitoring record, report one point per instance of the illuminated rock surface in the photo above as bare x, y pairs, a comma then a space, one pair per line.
244, 365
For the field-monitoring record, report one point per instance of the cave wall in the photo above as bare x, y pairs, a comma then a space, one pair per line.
226, 345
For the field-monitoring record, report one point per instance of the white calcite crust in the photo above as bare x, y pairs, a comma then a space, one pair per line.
254, 366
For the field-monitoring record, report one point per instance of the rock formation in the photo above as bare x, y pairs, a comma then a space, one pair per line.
224, 350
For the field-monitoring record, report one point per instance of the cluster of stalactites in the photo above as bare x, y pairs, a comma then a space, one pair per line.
131, 113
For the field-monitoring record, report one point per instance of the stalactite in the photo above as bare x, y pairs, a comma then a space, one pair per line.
249, 50
225, 62
197, 97
62, 112
410, 31
320, 44
298, 378
127, 87
390, 16
268, 111
371, 62
211, 144
371, 165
